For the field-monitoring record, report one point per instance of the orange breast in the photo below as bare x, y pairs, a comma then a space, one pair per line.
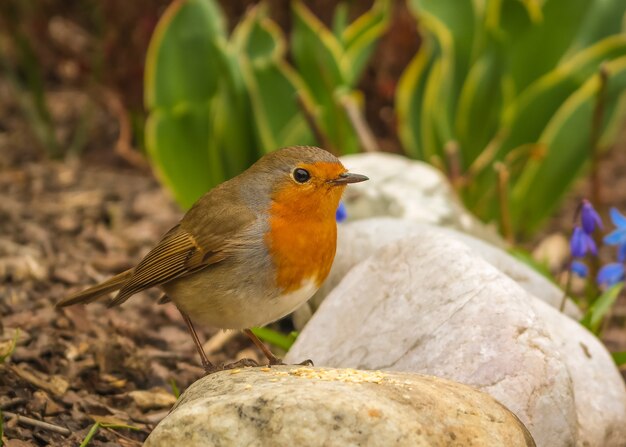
302, 238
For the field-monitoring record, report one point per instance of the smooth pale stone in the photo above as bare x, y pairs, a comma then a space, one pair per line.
409, 189
300, 406
430, 304
358, 240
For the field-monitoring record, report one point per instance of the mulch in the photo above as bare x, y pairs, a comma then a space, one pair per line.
64, 226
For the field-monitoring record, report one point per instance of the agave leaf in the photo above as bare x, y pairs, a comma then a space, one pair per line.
533, 45
527, 116
409, 99
175, 71
459, 20
437, 107
567, 137
272, 85
603, 18
176, 141
319, 59
360, 38
480, 105
316, 52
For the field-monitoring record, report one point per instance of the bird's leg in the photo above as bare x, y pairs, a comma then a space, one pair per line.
259, 344
271, 357
208, 366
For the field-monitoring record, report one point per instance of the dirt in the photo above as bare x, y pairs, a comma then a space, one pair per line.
64, 226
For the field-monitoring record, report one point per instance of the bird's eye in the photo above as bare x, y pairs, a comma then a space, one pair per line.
301, 175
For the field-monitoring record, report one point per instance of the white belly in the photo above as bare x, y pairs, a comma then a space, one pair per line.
236, 309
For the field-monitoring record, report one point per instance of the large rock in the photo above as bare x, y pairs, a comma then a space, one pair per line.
408, 189
296, 406
433, 306
358, 240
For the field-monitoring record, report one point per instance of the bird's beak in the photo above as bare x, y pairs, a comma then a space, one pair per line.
348, 177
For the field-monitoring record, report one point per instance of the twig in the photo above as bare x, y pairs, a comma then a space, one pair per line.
486, 156
451, 149
320, 136
12, 403
216, 342
36, 423
360, 126
503, 196
123, 145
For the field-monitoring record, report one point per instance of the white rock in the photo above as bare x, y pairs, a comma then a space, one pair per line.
358, 240
408, 189
295, 406
431, 305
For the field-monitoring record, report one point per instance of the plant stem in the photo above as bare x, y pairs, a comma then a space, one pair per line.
503, 197
362, 129
568, 285
596, 133
453, 158
319, 133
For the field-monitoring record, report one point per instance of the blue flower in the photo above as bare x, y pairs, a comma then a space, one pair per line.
579, 269
342, 213
621, 253
581, 243
610, 274
589, 217
618, 236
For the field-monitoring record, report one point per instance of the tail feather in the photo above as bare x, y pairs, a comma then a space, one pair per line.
97, 291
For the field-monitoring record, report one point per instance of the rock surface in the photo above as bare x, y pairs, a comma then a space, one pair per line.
431, 305
296, 406
408, 189
358, 240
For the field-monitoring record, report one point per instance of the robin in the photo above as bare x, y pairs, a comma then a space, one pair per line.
249, 251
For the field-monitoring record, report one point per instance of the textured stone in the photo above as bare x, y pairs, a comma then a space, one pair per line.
358, 240
430, 304
297, 406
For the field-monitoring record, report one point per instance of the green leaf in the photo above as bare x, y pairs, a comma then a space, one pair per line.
619, 358
592, 320
177, 143
275, 338
181, 59
480, 105
567, 139
603, 18
272, 85
360, 38
527, 116
533, 44
459, 19
409, 99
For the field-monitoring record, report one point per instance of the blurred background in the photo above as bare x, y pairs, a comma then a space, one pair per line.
117, 115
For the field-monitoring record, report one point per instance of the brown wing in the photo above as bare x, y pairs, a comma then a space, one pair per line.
202, 238
175, 255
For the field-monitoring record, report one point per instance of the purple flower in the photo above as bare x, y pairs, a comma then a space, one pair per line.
342, 213
581, 243
617, 236
579, 269
589, 217
610, 274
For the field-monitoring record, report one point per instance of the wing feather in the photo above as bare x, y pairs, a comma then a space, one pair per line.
175, 255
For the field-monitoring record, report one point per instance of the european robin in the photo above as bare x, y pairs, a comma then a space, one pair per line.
249, 251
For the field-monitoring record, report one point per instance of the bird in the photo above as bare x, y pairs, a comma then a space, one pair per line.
249, 251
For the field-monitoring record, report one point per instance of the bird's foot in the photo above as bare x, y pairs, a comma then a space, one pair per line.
243, 363
277, 361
